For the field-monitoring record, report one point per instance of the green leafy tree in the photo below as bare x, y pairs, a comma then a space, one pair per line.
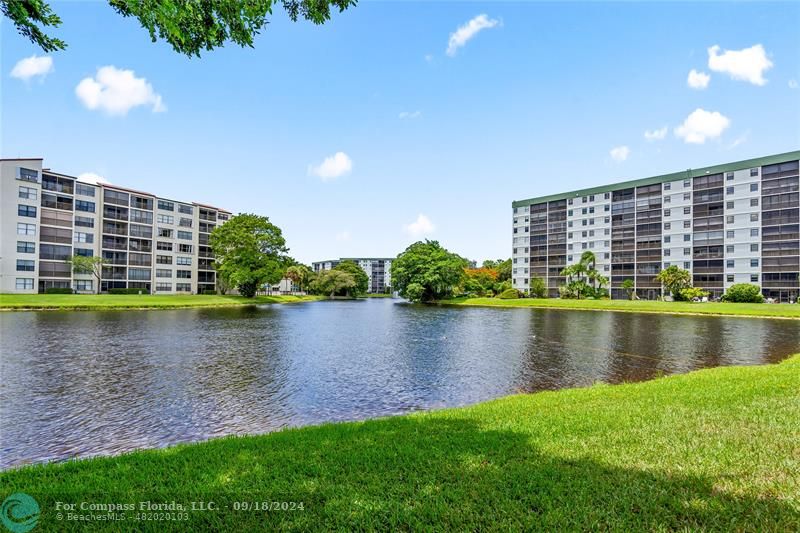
332, 282
360, 277
743, 293
88, 265
426, 271
503, 270
538, 289
583, 279
300, 275
675, 279
249, 251
628, 286
189, 26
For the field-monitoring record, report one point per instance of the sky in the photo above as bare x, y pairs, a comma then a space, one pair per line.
400, 121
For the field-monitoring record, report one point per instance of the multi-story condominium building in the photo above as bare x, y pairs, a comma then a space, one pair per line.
149, 243
378, 270
726, 224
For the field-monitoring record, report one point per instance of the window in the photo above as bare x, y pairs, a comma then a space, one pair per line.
583, 222
730, 204
26, 211
83, 285
84, 222
26, 229
183, 274
185, 209
27, 193
185, 222
583, 200
730, 278
164, 232
667, 225
591, 233
729, 176
606, 196
569, 213
569, 223
84, 190
754, 232
591, 197
753, 187
27, 174
730, 263
169, 219
591, 210
25, 247
687, 265
164, 246
687, 196
26, 265
163, 273
139, 273
169, 206
730, 219
583, 234
753, 202
164, 259
753, 172
667, 238
754, 247
687, 238
729, 190
687, 223
753, 278
687, 210
54, 251
83, 205
183, 261
667, 199
687, 251
183, 287
84, 252
569, 201
667, 212
730, 234
754, 263
24, 284
142, 217
84, 237
666, 251
185, 248
163, 287
667, 186
114, 197
729, 249
607, 231
687, 183
185, 235
753, 217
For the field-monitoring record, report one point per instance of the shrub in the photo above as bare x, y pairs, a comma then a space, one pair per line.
58, 290
538, 288
693, 292
127, 291
743, 293
509, 294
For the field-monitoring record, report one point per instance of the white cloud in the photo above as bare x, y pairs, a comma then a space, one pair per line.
409, 114
91, 177
793, 84
332, 167
421, 226
34, 66
469, 30
748, 64
698, 80
656, 135
739, 140
701, 125
116, 91
620, 153
343, 236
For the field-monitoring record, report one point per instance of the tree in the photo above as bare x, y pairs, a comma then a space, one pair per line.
504, 270
538, 289
93, 265
189, 26
743, 293
480, 280
335, 281
299, 274
359, 276
583, 279
675, 279
426, 271
628, 286
249, 252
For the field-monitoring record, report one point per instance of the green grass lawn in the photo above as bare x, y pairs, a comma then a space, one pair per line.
713, 450
135, 301
640, 306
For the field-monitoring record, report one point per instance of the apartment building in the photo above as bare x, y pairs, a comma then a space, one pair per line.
150, 243
730, 223
378, 270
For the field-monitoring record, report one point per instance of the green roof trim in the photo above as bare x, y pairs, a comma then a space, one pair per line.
689, 173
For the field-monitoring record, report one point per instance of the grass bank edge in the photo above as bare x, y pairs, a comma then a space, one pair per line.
84, 302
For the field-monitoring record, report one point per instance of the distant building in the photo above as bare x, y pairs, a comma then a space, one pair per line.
378, 270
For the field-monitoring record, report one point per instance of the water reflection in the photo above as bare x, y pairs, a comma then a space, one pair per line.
86, 383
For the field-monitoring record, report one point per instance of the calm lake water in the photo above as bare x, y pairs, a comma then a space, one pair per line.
86, 383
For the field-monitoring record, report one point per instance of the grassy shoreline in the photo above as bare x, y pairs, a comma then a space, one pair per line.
715, 449
639, 306
72, 302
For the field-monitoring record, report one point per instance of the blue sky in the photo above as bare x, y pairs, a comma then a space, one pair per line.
533, 103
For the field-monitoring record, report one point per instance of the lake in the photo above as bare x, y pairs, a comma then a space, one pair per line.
84, 383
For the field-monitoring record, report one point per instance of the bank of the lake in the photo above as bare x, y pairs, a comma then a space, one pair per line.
640, 306
714, 449
135, 301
